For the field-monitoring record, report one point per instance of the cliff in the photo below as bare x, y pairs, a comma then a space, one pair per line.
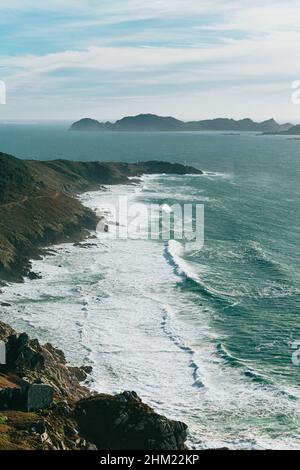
38, 204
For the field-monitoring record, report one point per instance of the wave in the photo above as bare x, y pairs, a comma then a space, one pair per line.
181, 345
213, 174
173, 252
250, 373
254, 251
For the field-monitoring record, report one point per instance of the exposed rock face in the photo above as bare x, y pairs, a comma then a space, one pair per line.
23, 355
37, 395
123, 422
27, 358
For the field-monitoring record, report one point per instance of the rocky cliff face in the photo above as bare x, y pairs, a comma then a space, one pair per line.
50, 409
124, 422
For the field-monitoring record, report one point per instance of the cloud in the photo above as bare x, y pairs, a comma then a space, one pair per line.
135, 49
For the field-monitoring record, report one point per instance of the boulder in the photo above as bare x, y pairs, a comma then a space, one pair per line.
23, 354
124, 422
34, 276
37, 396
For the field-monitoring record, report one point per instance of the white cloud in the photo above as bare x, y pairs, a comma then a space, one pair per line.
255, 44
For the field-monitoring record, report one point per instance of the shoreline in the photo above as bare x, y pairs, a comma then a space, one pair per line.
46, 360
81, 396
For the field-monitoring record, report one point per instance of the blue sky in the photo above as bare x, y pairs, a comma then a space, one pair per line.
65, 59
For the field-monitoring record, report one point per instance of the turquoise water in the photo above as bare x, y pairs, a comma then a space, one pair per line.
244, 306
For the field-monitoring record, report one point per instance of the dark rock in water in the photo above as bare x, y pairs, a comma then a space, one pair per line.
124, 422
84, 245
5, 304
33, 276
81, 373
128, 396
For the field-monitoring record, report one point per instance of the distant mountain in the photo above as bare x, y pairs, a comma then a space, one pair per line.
153, 123
292, 130
149, 122
87, 124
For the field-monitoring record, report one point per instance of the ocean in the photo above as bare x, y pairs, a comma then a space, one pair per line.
205, 336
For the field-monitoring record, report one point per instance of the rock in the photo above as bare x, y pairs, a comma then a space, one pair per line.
70, 431
62, 445
11, 398
128, 396
5, 304
22, 354
91, 446
85, 245
39, 428
27, 357
37, 396
81, 373
44, 437
64, 408
33, 276
124, 422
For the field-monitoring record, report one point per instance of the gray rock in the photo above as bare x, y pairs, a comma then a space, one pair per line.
70, 431
39, 428
38, 396
124, 422
91, 446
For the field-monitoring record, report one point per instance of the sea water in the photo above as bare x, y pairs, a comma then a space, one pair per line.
205, 336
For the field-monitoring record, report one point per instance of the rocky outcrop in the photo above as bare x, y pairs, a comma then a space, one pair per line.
26, 396
124, 422
44, 406
26, 357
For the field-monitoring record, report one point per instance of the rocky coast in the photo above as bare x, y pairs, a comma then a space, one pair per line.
44, 403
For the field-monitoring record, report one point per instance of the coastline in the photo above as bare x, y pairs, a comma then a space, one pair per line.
45, 362
76, 405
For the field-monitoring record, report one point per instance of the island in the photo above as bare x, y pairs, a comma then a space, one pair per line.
154, 123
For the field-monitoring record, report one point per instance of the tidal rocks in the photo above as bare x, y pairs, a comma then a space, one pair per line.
81, 373
33, 276
124, 422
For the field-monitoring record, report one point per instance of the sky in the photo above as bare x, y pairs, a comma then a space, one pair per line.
192, 59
